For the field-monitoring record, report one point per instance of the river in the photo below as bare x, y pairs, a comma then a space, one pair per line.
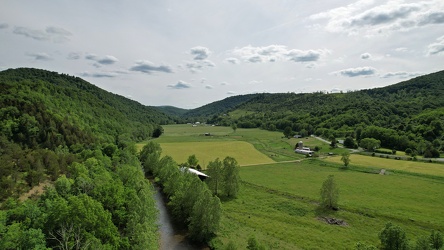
171, 237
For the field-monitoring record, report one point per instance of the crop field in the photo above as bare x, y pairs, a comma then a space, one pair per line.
278, 205
390, 164
243, 152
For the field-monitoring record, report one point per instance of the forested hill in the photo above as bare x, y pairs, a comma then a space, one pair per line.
216, 108
73, 144
402, 115
56, 109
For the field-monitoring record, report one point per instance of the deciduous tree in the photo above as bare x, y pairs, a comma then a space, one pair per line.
231, 177
329, 193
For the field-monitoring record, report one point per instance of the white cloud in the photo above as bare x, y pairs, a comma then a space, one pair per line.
437, 47
40, 56
363, 18
232, 60
180, 85
400, 74
353, 72
99, 74
4, 25
209, 87
200, 53
366, 56
55, 34
255, 82
106, 60
198, 66
74, 56
231, 93
273, 53
149, 67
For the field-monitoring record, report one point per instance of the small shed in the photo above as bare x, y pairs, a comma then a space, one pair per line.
199, 174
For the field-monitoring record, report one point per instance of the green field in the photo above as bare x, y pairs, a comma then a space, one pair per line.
278, 202
390, 164
243, 152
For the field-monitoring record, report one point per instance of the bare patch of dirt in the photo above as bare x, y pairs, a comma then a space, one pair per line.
333, 221
36, 191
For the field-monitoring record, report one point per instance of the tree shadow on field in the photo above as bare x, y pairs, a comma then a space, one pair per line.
321, 211
224, 198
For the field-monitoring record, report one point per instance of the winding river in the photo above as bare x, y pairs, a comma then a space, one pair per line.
171, 237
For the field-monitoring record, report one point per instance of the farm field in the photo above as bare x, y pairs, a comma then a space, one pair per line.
278, 200
242, 151
278, 205
390, 164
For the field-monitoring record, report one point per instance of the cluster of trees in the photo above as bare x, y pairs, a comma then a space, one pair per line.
393, 237
102, 202
190, 200
224, 177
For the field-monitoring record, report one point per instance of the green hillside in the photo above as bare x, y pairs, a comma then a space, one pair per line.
69, 171
58, 105
216, 108
404, 115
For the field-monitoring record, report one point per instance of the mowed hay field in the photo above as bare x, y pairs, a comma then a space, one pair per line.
390, 164
243, 152
278, 204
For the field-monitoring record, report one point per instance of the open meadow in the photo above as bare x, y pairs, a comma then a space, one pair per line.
432, 169
278, 201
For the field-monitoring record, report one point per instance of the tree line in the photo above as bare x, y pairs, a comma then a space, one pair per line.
192, 201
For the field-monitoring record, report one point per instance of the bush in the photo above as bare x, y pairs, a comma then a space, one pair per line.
393, 238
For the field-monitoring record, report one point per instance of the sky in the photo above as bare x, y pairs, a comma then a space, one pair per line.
187, 53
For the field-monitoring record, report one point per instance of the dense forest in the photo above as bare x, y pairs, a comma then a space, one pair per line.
407, 115
76, 141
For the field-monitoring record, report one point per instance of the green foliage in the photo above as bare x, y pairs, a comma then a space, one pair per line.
393, 238
349, 142
190, 200
205, 217
192, 161
436, 240
231, 178
150, 156
370, 143
422, 243
253, 244
215, 171
329, 193
234, 127
362, 246
288, 131
345, 158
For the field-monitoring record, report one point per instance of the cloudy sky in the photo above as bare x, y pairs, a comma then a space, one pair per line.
190, 53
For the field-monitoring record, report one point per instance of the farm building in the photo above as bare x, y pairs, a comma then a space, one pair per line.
199, 174
300, 149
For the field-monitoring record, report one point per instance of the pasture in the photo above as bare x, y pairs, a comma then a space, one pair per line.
393, 165
278, 204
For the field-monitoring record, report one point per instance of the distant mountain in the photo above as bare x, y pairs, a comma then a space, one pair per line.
172, 111
217, 108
